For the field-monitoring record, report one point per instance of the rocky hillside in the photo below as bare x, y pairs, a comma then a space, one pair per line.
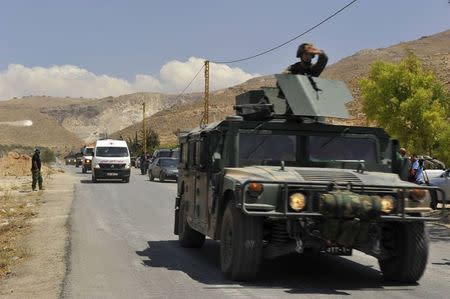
90, 119
433, 50
68, 123
44, 130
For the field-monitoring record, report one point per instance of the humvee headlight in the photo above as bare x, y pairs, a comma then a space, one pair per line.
387, 204
417, 194
255, 189
297, 201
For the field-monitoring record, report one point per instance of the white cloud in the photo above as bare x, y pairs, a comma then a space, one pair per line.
69, 80
176, 74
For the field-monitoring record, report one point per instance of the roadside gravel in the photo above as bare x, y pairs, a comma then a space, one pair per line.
41, 276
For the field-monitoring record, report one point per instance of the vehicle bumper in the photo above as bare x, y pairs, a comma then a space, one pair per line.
171, 176
111, 173
404, 211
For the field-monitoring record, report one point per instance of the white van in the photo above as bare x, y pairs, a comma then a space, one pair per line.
86, 162
111, 160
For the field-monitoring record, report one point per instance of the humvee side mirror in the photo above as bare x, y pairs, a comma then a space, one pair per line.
216, 162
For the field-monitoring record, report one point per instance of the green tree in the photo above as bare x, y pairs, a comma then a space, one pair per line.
134, 145
409, 103
47, 155
152, 140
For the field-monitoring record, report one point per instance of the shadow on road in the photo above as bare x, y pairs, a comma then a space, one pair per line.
439, 232
100, 182
311, 274
164, 182
445, 262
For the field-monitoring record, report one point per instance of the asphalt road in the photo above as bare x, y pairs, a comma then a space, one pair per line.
122, 246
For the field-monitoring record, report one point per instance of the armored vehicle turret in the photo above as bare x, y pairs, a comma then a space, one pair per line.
276, 179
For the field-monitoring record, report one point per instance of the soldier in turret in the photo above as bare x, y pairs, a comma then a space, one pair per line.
306, 53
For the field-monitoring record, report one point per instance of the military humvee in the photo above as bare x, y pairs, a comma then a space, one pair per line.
276, 179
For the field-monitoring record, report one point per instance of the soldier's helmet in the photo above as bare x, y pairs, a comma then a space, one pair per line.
301, 49
36, 150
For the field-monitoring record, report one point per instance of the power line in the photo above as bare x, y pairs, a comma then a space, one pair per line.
269, 50
289, 41
189, 84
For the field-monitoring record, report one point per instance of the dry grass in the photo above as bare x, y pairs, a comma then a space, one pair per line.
15, 210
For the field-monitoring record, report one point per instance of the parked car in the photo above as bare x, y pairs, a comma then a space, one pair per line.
163, 169
441, 179
165, 152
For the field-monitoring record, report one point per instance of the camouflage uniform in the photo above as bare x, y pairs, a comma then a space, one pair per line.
307, 68
36, 170
304, 66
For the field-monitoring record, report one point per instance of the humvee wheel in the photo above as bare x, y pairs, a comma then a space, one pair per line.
241, 239
150, 176
408, 243
83, 170
187, 236
94, 180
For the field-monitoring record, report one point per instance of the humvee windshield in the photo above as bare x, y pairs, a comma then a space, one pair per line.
257, 148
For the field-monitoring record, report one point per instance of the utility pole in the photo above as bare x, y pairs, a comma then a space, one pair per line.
144, 135
205, 119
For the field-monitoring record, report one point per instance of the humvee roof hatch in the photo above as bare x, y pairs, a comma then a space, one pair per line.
301, 96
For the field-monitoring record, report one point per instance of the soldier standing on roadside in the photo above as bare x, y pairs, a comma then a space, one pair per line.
36, 170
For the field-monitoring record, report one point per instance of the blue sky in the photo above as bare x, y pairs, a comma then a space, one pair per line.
124, 38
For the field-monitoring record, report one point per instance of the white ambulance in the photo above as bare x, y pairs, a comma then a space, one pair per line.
111, 160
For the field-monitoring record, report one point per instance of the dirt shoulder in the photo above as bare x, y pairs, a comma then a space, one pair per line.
41, 273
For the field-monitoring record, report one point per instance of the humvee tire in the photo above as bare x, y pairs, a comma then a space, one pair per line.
241, 244
126, 180
83, 170
409, 244
150, 176
94, 180
187, 236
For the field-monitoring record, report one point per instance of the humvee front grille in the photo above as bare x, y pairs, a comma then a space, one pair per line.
336, 176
